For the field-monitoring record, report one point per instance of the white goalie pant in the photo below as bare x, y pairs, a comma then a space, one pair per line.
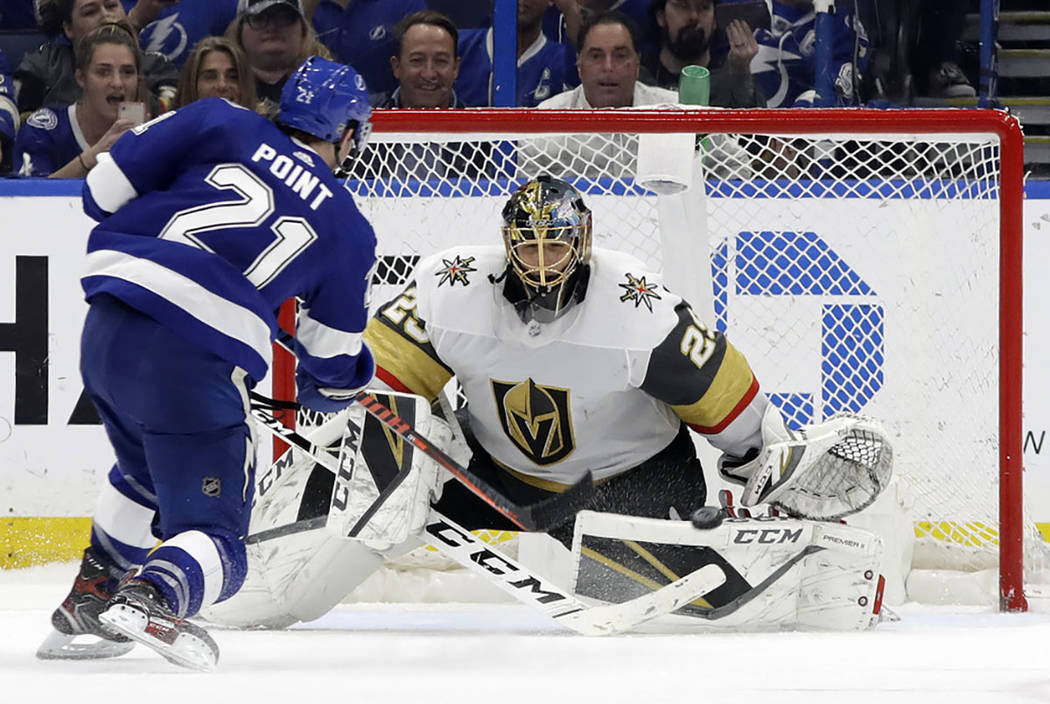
782, 573
299, 570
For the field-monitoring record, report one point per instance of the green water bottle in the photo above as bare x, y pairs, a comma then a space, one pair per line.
694, 86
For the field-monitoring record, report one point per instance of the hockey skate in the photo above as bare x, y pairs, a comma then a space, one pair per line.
78, 615
139, 612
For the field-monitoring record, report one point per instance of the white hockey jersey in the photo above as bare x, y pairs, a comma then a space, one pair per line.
602, 388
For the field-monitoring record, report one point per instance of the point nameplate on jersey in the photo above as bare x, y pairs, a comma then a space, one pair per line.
301, 181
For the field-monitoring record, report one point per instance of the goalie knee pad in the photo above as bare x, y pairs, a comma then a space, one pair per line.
780, 572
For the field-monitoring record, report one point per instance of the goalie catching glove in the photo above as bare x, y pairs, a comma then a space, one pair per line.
821, 472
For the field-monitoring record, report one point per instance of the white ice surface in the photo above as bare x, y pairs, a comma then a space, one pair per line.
503, 653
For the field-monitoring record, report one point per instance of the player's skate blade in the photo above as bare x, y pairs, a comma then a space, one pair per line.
61, 646
137, 612
76, 632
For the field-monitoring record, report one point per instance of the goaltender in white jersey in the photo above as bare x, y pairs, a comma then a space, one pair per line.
603, 387
571, 360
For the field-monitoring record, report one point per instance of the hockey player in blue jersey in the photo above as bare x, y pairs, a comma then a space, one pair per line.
209, 218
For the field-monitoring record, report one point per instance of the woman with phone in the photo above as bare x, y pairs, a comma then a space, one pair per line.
65, 141
48, 75
216, 68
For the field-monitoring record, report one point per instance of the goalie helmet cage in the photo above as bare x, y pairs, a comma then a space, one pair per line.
861, 260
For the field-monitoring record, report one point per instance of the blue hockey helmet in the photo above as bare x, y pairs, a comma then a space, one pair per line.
324, 99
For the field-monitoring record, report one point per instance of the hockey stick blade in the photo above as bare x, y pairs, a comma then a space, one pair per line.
616, 618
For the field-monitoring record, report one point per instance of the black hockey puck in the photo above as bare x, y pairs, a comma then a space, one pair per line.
707, 517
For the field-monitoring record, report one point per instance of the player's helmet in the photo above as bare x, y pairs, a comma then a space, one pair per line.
326, 99
546, 211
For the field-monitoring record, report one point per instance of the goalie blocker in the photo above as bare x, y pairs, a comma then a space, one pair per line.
780, 572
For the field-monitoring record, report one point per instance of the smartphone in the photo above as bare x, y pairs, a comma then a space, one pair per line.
136, 112
754, 12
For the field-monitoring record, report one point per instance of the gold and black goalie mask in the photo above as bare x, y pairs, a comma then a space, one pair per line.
547, 237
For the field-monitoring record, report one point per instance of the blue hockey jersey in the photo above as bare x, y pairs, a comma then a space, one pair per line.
179, 26
784, 68
50, 139
541, 70
8, 110
361, 34
210, 217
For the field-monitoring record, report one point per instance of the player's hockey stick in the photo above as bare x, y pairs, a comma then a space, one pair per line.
541, 516
518, 581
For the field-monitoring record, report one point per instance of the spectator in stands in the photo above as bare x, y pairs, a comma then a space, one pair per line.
609, 65
8, 115
65, 141
276, 39
425, 62
426, 65
361, 33
784, 69
173, 27
47, 76
216, 68
686, 29
541, 62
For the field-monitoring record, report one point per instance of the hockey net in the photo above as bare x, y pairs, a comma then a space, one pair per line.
864, 261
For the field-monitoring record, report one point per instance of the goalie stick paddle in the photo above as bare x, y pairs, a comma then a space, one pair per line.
540, 516
463, 547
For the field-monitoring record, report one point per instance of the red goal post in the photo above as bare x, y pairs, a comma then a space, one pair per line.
934, 160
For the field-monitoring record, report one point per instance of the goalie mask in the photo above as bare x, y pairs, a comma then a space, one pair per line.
547, 236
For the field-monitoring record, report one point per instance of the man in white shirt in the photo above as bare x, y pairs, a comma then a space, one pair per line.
608, 62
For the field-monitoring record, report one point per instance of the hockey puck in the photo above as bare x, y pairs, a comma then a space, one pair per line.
707, 517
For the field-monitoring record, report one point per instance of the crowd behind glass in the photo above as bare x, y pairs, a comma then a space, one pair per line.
107, 65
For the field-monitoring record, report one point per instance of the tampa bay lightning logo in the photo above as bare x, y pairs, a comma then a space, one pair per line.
43, 119
543, 87
166, 36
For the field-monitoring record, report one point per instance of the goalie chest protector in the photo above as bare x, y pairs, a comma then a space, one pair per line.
549, 401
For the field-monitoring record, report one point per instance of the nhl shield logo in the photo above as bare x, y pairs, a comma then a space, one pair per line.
536, 418
211, 486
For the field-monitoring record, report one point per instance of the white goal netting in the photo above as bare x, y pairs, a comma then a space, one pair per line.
857, 271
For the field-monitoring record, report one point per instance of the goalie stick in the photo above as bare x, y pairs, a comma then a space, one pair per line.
463, 547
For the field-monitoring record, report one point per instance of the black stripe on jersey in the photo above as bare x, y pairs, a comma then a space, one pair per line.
673, 376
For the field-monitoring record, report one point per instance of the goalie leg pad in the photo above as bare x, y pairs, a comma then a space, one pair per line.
780, 572
821, 472
385, 485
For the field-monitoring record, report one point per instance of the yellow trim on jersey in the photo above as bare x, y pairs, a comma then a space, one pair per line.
727, 389
413, 367
36, 540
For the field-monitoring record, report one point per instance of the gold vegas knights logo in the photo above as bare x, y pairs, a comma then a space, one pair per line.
536, 419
